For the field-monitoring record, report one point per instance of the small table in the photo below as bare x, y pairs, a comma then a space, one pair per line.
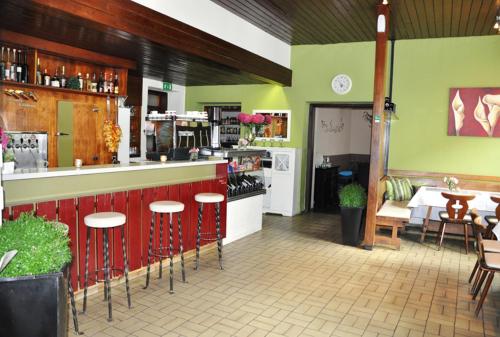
428, 198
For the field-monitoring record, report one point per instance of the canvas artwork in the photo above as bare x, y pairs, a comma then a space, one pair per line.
474, 112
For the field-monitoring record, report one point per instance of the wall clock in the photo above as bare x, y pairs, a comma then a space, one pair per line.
341, 84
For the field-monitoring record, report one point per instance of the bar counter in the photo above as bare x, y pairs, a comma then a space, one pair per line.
69, 194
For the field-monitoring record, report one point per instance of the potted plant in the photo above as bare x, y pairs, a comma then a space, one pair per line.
33, 285
352, 204
7, 154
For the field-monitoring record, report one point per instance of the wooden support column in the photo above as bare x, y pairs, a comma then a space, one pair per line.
378, 122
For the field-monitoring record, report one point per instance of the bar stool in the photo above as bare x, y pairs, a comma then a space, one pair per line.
208, 198
165, 207
105, 221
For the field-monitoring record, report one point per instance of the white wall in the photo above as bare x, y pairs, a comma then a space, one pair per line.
360, 133
214, 19
176, 102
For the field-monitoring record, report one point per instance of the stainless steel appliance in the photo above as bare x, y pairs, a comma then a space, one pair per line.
30, 148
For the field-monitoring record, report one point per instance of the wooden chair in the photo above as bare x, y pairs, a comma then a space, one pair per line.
488, 263
490, 242
493, 219
456, 214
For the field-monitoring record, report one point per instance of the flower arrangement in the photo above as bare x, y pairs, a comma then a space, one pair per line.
193, 153
253, 123
8, 155
452, 183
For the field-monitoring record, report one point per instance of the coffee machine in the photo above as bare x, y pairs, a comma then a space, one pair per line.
30, 148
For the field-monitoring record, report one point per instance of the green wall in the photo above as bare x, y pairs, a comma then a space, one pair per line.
424, 72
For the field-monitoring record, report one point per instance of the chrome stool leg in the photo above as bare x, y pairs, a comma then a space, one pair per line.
198, 235
160, 272
86, 282
150, 250
125, 267
181, 247
73, 306
217, 228
170, 253
107, 274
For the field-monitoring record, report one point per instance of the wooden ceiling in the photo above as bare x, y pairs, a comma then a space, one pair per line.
162, 47
337, 21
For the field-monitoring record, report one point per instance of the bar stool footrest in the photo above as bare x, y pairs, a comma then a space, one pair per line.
113, 271
209, 236
158, 252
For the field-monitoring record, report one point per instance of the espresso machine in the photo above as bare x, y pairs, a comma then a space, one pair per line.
30, 148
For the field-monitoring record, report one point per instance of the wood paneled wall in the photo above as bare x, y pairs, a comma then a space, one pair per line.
28, 115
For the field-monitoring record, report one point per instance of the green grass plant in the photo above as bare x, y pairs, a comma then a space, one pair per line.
352, 195
42, 246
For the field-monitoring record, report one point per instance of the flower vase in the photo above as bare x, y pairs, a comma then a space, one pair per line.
250, 135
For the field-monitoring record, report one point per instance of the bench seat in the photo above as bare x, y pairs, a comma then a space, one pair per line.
392, 214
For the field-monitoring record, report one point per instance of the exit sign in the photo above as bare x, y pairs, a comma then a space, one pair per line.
167, 86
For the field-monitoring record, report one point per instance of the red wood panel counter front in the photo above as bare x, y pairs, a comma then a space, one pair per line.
134, 203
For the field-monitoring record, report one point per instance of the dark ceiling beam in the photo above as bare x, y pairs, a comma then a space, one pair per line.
124, 28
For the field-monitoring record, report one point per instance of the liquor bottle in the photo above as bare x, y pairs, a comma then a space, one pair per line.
19, 67
25, 71
63, 79
100, 84
88, 83
80, 80
105, 83
7, 66
94, 83
116, 85
38, 72
54, 81
2, 66
13, 68
46, 77
111, 86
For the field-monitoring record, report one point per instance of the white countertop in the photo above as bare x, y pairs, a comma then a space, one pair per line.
22, 174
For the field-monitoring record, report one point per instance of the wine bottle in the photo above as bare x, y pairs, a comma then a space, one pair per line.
88, 82
38, 72
7, 65
116, 85
25, 67
80, 81
54, 81
2, 66
13, 68
94, 83
63, 79
46, 78
100, 84
19, 67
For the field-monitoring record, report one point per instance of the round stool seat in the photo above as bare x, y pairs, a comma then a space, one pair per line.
209, 197
166, 206
105, 220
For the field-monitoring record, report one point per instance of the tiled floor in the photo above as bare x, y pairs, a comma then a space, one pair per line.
290, 279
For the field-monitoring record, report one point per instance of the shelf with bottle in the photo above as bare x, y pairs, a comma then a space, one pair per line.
14, 63
244, 185
19, 64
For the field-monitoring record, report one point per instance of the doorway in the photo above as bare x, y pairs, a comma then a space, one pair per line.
339, 139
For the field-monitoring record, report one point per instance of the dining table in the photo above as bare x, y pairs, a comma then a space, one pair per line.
429, 201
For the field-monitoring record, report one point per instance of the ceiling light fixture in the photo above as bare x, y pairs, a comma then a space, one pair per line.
385, 2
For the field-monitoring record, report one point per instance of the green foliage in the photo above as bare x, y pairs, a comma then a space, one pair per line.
8, 155
41, 246
352, 195
73, 83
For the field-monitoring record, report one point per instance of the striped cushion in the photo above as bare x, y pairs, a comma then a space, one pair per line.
399, 189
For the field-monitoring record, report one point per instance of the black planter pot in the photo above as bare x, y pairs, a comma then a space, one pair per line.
351, 224
34, 305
